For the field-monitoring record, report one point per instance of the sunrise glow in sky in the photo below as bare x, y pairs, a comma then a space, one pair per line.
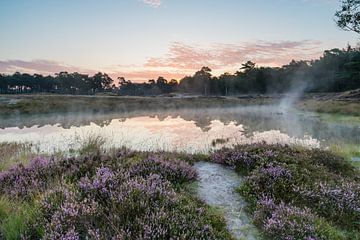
142, 39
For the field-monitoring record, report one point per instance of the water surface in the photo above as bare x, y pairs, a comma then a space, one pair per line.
189, 130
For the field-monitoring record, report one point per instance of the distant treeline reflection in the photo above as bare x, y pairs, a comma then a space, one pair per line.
253, 119
337, 70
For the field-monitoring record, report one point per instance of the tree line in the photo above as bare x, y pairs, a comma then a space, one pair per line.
337, 70
63, 82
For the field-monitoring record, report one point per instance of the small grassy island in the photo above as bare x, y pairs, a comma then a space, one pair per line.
290, 193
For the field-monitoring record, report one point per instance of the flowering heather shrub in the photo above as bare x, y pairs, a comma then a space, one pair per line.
340, 202
134, 208
272, 180
284, 221
24, 181
332, 162
298, 176
276, 173
66, 216
104, 181
243, 161
75, 168
110, 186
126, 195
173, 170
21, 181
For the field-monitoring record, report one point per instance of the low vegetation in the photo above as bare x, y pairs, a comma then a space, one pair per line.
14, 152
341, 109
12, 105
292, 193
118, 195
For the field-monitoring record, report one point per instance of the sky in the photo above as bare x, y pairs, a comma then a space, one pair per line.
144, 39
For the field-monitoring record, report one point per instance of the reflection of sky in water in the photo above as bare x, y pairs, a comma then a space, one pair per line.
146, 133
182, 130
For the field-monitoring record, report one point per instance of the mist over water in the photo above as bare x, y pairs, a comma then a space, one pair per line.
189, 130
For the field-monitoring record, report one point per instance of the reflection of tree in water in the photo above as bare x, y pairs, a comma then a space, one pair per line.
254, 119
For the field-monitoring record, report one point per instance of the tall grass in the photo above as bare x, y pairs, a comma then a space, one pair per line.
17, 219
347, 151
14, 153
92, 144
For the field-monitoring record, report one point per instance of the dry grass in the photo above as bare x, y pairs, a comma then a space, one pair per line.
14, 104
14, 153
331, 106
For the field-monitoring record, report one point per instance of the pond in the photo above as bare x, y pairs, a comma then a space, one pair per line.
188, 130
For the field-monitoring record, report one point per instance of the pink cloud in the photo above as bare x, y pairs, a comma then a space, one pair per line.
184, 59
219, 56
145, 75
38, 66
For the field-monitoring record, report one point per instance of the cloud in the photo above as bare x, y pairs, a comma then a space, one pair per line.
144, 75
184, 59
153, 3
134, 72
221, 56
37, 66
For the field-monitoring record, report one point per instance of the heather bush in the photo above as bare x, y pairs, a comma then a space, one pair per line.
338, 202
333, 163
292, 193
116, 205
41, 173
100, 197
271, 180
243, 161
21, 181
313, 182
284, 221
248, 157
173, 170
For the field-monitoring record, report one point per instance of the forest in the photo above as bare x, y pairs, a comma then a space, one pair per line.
335, 71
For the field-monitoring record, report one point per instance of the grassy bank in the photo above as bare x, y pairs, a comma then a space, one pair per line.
292, 193
36, 104
337, 108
